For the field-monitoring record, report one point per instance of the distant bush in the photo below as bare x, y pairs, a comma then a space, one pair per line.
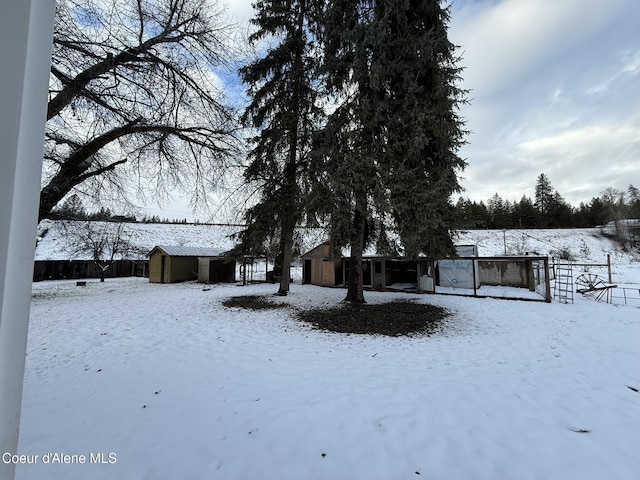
519, 248
563, 254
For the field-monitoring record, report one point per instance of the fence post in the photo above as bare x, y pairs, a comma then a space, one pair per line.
244, 270
473, 272
609, 267
547, 281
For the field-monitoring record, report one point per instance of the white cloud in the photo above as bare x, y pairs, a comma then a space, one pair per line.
628, 68
239, 10
507, 42
580, 163
580, 142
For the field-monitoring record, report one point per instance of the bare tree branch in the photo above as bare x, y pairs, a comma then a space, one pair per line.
104, 242
134, 82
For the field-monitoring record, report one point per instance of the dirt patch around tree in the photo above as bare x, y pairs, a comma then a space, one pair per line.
394, 319
252, 302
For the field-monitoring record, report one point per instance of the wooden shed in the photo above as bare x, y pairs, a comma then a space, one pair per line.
319, 268
379, 272
168, 264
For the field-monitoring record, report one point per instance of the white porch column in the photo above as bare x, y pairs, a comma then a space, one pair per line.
26, 28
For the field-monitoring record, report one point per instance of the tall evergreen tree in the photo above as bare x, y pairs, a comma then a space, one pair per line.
480, 215
581, 216
283, 109
597, 212
390, 146
559, 212
524, 213
462, 211
543, 194
71, 208
499, 212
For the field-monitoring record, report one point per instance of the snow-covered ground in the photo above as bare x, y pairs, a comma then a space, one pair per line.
166, 383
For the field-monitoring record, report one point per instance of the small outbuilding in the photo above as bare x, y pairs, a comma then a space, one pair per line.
320, 267
168, 264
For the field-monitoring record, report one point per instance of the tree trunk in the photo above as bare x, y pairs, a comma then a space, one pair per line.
289, 217
103, 268
355, 289
278, 260
287, 254
289, 210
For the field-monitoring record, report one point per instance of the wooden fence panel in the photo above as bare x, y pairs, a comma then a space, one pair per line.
74, 269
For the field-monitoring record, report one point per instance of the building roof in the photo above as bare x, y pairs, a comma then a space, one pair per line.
181, 251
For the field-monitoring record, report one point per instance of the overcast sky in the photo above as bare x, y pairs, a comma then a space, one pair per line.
555, 88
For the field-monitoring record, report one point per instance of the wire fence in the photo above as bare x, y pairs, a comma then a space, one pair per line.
629, 296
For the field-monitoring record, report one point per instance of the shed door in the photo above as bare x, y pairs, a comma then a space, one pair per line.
307, 271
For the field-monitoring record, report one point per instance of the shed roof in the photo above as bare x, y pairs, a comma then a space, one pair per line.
181, 251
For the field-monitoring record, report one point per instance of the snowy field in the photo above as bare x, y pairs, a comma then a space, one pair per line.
151, 381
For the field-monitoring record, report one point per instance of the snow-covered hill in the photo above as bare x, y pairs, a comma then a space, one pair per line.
580, 245
55, 238
588, 245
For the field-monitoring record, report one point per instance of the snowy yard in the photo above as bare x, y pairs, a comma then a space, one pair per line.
166, 383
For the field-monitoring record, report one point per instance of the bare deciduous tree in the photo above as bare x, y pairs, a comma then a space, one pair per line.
136, 93
104, 242
617, 209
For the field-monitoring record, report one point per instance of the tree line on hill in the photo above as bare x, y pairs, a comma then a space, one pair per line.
548, 209
73, 209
